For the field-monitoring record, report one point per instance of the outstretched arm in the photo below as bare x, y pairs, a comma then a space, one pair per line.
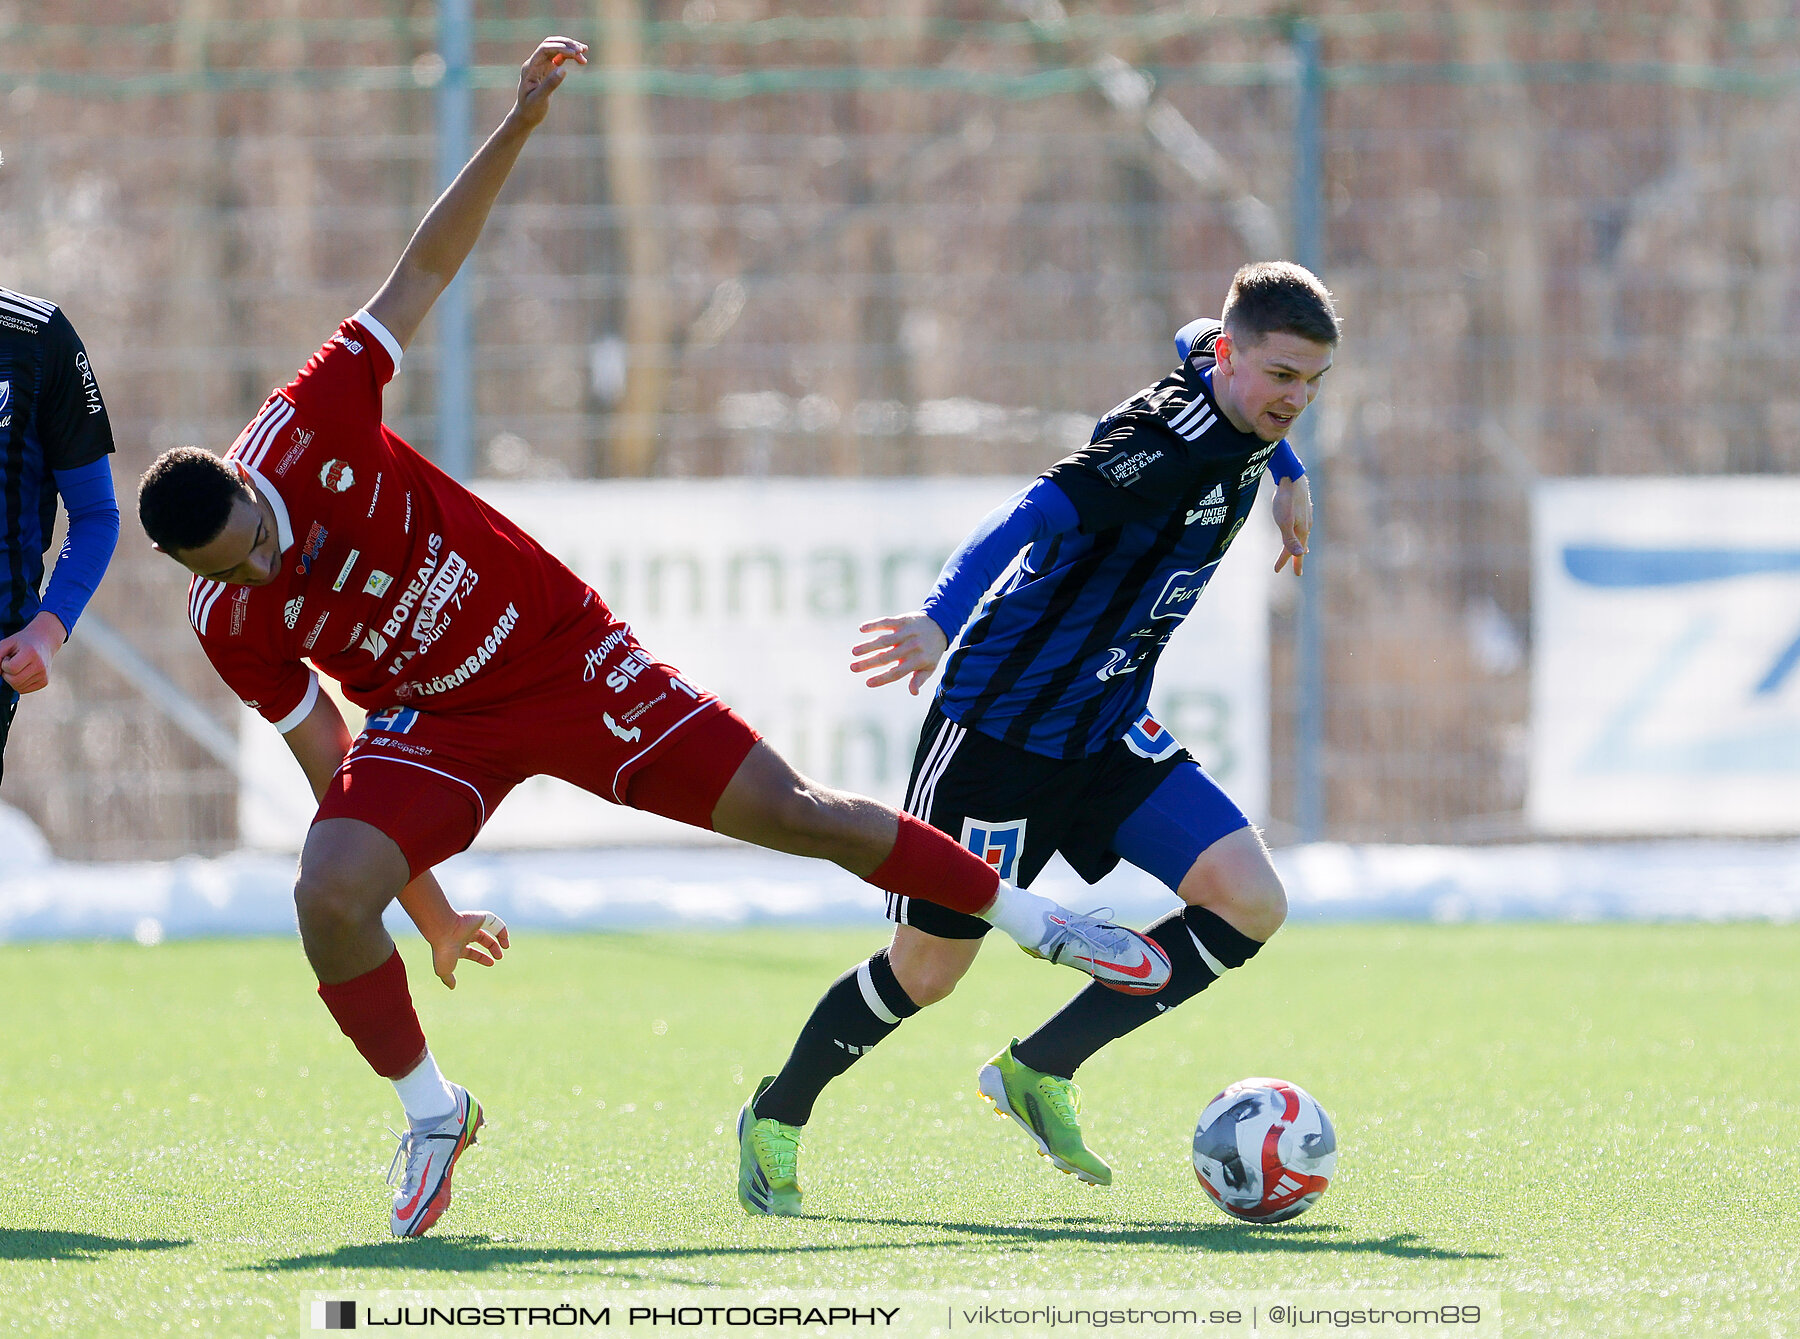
447, 235
319, 744
909, 646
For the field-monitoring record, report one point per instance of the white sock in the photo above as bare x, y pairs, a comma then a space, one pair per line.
1020, 914
425, 1093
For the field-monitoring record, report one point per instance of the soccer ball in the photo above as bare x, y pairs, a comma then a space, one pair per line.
1264, 1150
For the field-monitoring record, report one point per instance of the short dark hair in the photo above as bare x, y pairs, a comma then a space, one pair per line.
185, 497
1278, 296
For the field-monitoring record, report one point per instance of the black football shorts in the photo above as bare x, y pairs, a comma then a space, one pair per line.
1016, 809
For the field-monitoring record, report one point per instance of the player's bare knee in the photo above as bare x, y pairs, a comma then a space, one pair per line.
927, 972
1266, 906
1235, 879
333, 899
929, 981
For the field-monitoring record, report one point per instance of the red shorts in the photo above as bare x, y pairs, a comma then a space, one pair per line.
607, 717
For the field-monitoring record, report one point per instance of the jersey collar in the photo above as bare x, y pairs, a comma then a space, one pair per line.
284, 531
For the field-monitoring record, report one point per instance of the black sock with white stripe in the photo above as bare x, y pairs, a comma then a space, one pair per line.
1201, 948
862, 1006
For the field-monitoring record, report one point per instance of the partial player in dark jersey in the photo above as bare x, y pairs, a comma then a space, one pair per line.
1039, 739
54, 441
481, 660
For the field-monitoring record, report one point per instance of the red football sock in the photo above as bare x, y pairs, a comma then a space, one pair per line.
929, 865
375, 1010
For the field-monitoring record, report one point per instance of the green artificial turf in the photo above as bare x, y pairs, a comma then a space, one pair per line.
1598, 1122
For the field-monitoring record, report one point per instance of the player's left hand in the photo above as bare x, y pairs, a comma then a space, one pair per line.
542, 74
479, 936
1294, 514
25, 656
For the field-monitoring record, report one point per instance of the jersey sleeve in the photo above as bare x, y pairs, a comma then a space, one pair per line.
1285, 463
72, 419
343, 381
1201, 335
281, 691
1033, 513
1136, 472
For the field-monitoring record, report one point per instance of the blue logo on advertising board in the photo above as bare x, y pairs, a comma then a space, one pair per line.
1769, 748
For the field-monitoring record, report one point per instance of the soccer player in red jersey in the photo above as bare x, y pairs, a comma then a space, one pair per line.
481, 660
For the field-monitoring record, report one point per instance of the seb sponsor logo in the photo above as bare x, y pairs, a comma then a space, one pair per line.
625, 673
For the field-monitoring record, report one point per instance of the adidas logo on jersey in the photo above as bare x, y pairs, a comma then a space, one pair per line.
1211, 510
290, 612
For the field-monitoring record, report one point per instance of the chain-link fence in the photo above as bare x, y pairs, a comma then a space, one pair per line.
927, 238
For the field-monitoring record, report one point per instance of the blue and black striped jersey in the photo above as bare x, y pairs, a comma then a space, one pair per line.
51, 418
1058, 661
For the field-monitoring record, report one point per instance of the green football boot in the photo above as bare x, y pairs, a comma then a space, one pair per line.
1045, 1107
768, 1158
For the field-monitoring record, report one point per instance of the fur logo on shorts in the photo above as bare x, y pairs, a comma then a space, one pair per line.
1000, 844
1149, 738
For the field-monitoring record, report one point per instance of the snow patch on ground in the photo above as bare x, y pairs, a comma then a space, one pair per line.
634, 888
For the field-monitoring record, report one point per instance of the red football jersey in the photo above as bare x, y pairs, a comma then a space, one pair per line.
396, 580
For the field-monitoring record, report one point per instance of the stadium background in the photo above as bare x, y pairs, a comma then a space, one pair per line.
926, 239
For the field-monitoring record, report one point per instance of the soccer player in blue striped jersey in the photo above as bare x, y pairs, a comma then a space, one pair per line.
54, 441
1039, 739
